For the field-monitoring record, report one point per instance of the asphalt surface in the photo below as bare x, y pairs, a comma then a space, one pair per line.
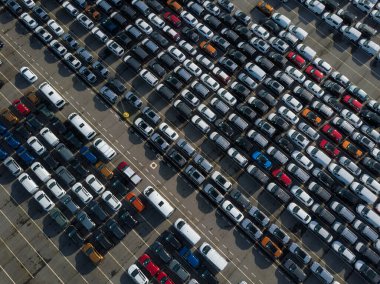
32, 246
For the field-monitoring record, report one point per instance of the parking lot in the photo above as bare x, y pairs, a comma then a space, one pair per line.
34, 248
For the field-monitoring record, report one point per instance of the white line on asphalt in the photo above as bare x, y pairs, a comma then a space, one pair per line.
6, 273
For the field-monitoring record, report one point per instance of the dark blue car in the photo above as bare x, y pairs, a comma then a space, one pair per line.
90, 156
3, 129
3, 154
186, 253
25, 155
262, 159
11, 140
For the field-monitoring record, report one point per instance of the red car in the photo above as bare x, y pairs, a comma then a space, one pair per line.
352, 103
282, 177
163, 278
173, 19
332, 133
23, 109
296, 59
147, 262
329, 148
314, 73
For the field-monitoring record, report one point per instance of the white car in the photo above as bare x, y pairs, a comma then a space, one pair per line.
210, 82
306, 52
43, 34
137, 275
298, 138
372, 133
341, 174
115, 48
204, 31
344, 252
168, 131
333, 20
44, 200
28, 74
55, 188
148, 77
72, 61
237, 157
211, 8
55, 27
318, 156
300, 33
188, 18
176, 54
292, 102
340, 78
49, 137
314, 88
298, 213
28, 3
373, 184
39, 170
190, 97
205, 62
232, 211
322, 65
288, 115
358, 92
227, 97
279, 45
57, 47
363, 193
156, 20
200, 124
29, 21
376, 154
99, 34
145, 128
221, 181
187, 47
111, 200
350, 165
369, 46
375, 15
82, 193
369, 215
260, 31
302, 160
315, 6
351, 117
144, 26
363, 5
104, 148
85, 21
36, 145
302, 196
283, 21
374, 105
95, 184
320, 231
295, 74
192, 67
70, 8
207, 112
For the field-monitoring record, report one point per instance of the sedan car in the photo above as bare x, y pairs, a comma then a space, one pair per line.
261, 159
299, 213
28, 74
168, 131
146, 261
282, 177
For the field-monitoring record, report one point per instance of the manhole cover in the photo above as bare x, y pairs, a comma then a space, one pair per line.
153, 165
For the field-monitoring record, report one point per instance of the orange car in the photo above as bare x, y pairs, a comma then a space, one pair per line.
265, 8
104, 170
135, 201
174, 5
271, 247
312, 117
92, 12
89, 250
352, 149
208, 48
32, 97
9, 116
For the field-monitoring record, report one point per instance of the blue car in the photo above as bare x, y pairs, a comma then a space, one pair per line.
186, 253
25, 155
3, 154
262, 159
90, 156
11, 140
3, 129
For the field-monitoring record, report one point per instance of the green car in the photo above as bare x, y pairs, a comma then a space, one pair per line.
59, 217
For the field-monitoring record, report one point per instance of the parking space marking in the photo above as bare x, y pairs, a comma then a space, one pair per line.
6, 273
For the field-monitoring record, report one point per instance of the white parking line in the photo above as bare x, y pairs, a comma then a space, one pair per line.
6, 273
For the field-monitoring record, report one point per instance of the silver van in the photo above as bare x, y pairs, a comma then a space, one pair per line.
52, 95
255, 71
212, 256
220, 141
82, 126
365, 230
187, 231
344, 232
298, 172
158, 201
185, 147
278, 155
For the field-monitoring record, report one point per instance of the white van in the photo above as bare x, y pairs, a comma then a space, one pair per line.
52, 95
49, 137
28, 183
213, 256
255, 71
318, 156
82, 126
40, 171
351, 33
186, 231
158, 201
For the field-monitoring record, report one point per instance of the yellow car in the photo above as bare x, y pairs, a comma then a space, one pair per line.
89, 250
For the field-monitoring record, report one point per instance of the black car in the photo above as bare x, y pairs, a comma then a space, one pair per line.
129, 12
58, 125
155, 5
50, 162
167, 60
260, 176
165, 92
160, 39
303, 94
224, 127
200, 89
264, 63
132, 63
237, 56
221, 43
127, 219
15, 7
333, 87
227, 19
241, 91
242, 17
119, 187
319, 191
156, 68
41, 13
243, 32
330, 5
98, 211
347, 196
114, 228
333, 103
207, 276
229, 65
22, 132
348, 17
169, 238
246, 48
177, 158
123, 39
271, 26
323, 178
116, 85
70, 138
74, 235
240, 199
285, 144
371, 117
244, 143
134, 33
33, 123
230, 35
274, 86
372, 165
212, 22
278, 59
174, 83
159, 249
247, 112
278, 122
102, 240
140, 53
259, 105
366, 30
79, 169
267, 98
191, 34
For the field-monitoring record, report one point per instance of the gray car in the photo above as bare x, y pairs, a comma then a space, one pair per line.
67, 201
204, 164
65, 176
194, 175
251, 229
86, 222
213, 194
323, 213
178, 269
159, 249
294, 270
186, 148
240, 199
278, 192
64, 152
